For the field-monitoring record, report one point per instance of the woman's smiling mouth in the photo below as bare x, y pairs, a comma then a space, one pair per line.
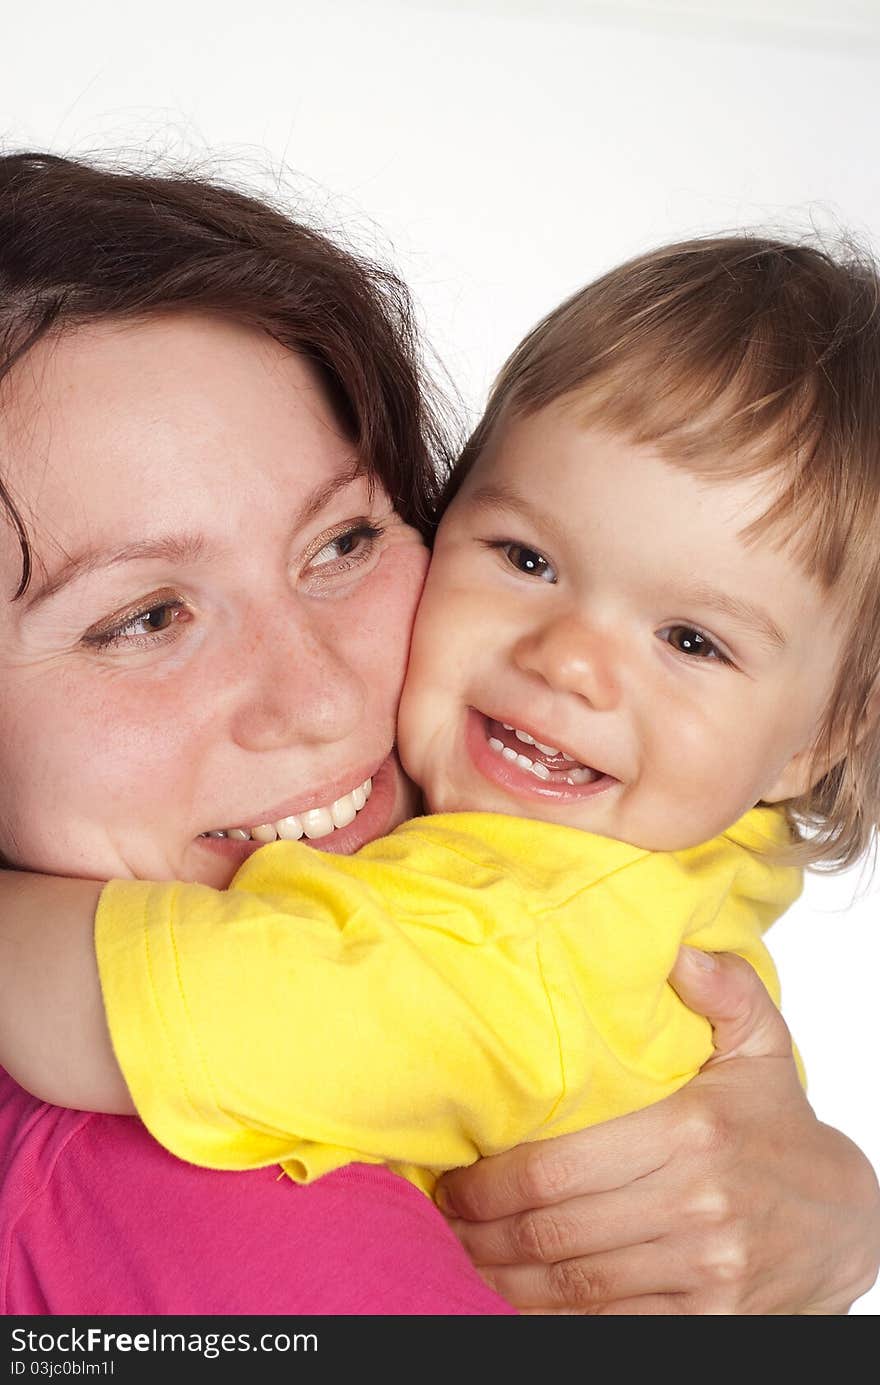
342, 825
313, 823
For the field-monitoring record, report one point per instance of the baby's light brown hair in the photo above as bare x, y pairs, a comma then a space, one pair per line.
737, 356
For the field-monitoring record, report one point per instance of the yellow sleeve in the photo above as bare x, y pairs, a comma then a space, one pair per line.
437, 998
315, 1022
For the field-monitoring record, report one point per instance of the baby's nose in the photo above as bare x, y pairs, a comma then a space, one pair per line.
571, 656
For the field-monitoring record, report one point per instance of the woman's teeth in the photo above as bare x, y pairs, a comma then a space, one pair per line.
313, 823
560, 774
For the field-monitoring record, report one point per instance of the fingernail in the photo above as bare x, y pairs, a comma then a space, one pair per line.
696, 957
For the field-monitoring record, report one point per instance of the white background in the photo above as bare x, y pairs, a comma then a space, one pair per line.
501, 153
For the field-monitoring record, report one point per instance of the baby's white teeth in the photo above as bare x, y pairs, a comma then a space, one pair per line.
580, 776
239, 834
317, 822
530, 740
359, 797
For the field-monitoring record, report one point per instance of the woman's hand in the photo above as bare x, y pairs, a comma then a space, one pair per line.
729, 1197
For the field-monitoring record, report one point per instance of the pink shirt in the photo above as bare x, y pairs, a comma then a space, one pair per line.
96, 1218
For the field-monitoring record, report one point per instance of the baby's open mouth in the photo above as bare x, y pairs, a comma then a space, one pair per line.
546, 762
313, 824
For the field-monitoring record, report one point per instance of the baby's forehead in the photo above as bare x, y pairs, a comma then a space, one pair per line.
778, 499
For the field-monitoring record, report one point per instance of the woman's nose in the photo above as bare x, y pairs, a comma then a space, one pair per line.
570, 656
295, 685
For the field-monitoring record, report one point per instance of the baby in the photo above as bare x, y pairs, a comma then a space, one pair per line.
640, 696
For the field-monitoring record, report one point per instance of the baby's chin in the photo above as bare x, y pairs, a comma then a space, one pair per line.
449, 800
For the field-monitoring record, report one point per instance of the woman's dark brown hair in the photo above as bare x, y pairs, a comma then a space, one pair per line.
80, 243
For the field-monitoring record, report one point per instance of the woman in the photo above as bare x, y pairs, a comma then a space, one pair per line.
215, 464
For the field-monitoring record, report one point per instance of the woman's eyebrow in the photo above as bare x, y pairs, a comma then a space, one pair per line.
175, 548
316, 500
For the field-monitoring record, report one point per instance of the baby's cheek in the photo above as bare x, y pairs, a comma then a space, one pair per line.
429, 724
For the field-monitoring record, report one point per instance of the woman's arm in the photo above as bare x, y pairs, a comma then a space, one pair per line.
53, 1034
379, 1006
235, 1013
729, 1197
256, 1025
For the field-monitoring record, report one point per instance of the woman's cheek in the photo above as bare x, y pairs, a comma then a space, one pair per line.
121, 753
387, 615
419, 562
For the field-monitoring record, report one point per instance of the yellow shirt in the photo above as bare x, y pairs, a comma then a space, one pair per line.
467, 983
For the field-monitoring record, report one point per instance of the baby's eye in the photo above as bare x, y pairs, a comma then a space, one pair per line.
528, 560
688, 640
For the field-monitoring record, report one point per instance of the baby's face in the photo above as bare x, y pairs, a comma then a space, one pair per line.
598, 647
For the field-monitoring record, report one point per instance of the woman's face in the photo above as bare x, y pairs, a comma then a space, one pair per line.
216, 632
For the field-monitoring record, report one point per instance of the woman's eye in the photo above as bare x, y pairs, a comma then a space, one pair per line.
528, 560
354, 544
151, 622
686, 639
139, 629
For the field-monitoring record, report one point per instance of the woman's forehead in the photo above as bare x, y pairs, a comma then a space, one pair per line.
130, 425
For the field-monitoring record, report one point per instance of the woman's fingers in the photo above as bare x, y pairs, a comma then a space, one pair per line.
731, 995
619, 1152
649, 1306
587, 1283
597, 1160
727, 1197
581, 1226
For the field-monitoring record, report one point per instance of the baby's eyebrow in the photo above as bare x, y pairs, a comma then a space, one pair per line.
746, 613
501, 497
740, 610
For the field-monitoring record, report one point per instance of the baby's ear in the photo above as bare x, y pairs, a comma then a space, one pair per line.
807, 767
797, 778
